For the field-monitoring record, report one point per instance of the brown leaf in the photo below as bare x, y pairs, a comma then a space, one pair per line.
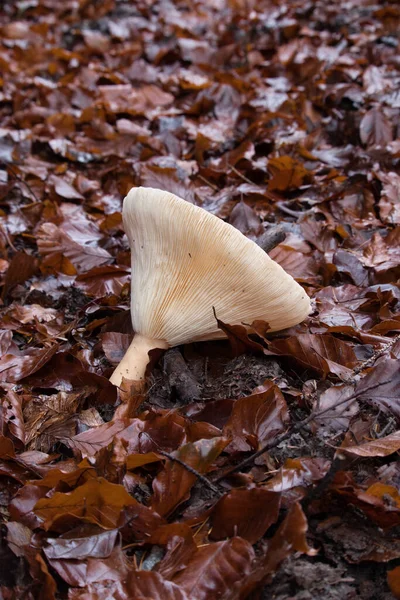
14, 368
40, 573
22, 266
83, 254
115, 345
375, 128
244, 218
323, 353
180, 547
286, 174
385, 375
144, 585
380, 447
84, 542
173, 484
290, 537
96, 501
101, 281
393, 578
167, 178
80, 572
13, 415
246, 513
302, 267
65, 189
238, 338
216, 568
18, 537
257, 418
6, 447
380, 502
298, 472
340, 413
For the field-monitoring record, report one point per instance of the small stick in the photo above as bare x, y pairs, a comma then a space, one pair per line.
199, 476
180, 377
370, 361
271, 238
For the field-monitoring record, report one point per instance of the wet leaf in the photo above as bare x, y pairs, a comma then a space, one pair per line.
380, 447
246, 513
324, 353
239, 339
290, 537
173, 484
245, 219
386, 377
394, 581
216, 568
257, 418
298, 472
286, 174
96, 501
79, 545
375, 128
101, 281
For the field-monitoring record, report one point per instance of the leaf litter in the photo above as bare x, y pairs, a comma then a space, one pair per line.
264, 465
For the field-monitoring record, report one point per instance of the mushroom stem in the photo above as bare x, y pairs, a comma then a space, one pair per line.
133, 365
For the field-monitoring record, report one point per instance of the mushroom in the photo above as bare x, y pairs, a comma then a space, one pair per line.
187, 262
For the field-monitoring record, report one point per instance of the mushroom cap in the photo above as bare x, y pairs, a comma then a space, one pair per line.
185, 261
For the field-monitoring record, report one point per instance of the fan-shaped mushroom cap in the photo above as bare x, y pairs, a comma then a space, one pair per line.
185, 261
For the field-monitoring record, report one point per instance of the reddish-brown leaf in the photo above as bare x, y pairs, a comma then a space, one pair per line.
244, 218
380, 447
290, 537
393, 577
375, 128
246, 513
238, 338
180, 547
22, 266
323, 353
173, 484
14, 368
386, 377
257, 418
286, 174
298, 472
96, 501
101, 281
216, 568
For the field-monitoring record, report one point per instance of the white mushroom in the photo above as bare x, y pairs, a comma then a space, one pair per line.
185, 261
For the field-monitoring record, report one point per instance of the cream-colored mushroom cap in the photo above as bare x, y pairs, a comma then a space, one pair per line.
185, 261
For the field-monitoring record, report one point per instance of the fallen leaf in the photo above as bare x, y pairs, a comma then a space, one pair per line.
231, 562
96, 501
173, 484
384, 446
246, 513
256, 419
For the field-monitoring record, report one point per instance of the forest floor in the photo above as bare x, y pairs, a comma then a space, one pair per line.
267, 114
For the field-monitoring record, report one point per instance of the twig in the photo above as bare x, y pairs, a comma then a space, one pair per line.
199, 476
284, 436
207, 182
271, 238
239, 174
180, 377
370, 361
